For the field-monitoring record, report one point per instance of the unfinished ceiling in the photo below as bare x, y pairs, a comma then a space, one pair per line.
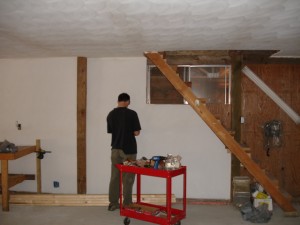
104, 28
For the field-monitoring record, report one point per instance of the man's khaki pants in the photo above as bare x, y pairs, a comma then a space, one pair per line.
118, 157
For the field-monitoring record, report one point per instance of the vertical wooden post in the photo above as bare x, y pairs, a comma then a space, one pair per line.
236, 99
236, 92
38, 167
81, 124
4, 182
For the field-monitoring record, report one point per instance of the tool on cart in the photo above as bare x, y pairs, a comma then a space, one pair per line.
172, 162
156, 160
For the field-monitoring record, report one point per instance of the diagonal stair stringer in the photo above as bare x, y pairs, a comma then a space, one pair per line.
221, 132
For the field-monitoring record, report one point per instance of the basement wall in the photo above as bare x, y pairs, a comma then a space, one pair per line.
41, 95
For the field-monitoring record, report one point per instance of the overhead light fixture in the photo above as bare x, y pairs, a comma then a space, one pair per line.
286, 108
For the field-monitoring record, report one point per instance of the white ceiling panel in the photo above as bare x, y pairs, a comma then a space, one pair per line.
108, 28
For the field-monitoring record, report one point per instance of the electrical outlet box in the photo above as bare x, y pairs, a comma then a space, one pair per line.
55, 184
242, 119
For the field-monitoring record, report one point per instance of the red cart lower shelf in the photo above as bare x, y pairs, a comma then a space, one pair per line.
164, 215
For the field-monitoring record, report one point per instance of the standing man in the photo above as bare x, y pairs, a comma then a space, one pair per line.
124, 125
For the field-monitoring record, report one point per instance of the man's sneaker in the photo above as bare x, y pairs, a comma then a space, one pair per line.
113, 207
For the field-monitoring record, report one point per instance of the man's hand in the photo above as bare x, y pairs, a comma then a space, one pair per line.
136, 133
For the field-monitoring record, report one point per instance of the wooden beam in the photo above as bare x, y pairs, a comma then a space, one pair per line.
199, 57
209, 53
222, 57
4, 185
78, 200
262, 57
236, 107
81, 123
221, 132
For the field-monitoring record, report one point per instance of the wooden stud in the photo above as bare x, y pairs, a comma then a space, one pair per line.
4, 184
38, 168
81, 123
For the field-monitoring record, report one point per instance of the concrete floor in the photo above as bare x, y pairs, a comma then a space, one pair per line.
196, 215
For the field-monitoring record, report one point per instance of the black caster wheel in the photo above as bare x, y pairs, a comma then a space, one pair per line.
178, 223
126, 221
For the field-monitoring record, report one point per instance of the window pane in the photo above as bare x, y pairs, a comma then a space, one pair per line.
209, 82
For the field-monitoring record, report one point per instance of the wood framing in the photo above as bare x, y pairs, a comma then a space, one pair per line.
38, 167
221, 132
14, 179
81, 124
236, 103
4, 185
78, 199
22, 151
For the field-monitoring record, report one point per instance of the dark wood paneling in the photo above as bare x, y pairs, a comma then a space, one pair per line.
163, 92
283, 163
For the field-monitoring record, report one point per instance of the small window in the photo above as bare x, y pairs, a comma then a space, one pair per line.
211, 82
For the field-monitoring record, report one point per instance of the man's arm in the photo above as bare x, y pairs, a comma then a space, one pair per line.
108, 122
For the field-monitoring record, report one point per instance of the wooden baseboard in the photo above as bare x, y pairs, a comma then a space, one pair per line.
197, 201
78, 199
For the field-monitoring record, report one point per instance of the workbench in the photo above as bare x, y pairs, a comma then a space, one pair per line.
10, 180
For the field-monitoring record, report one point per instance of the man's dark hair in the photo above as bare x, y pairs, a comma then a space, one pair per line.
124, 97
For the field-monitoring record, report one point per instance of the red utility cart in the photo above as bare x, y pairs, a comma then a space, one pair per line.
164, 215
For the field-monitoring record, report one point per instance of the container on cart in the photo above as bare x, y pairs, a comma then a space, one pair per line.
164, 215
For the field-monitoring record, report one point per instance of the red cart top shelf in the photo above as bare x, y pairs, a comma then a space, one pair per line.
151, 171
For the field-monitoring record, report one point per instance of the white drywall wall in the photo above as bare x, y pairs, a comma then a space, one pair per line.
41, 94
174, 129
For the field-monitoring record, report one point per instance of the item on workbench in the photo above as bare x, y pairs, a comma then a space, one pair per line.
8, 147
172, 162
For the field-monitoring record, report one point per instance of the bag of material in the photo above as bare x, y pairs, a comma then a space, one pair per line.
261, 214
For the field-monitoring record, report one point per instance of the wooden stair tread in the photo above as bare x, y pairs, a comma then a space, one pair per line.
231, 132
244, 147
286, 194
